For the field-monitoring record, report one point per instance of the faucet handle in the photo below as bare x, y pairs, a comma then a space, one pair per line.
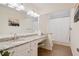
15, 34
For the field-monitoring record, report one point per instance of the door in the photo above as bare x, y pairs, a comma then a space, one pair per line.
22, 50
59, 28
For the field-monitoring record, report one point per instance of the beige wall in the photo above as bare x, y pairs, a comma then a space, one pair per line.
6, 13
43, 23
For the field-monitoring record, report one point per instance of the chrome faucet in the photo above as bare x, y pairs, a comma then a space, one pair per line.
15, 36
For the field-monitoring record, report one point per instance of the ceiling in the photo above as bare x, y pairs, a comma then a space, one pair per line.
44, 8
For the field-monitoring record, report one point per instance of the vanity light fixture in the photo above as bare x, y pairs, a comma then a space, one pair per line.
17, 6
32, 13
21, 7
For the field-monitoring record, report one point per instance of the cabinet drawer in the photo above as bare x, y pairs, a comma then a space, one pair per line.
22, 50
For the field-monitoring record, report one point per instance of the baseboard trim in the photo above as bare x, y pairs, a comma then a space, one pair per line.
61, 43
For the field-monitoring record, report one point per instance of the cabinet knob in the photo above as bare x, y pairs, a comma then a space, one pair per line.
77, 49
70, 28
31, 49
28, 51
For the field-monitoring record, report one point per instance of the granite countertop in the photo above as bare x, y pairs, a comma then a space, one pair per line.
14, 43
3, 36
7, 37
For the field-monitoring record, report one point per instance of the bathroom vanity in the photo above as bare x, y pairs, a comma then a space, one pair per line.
23, 46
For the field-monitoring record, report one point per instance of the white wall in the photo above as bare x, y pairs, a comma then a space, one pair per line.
75, 38
25, 22
44, 27
59, 27
74, 33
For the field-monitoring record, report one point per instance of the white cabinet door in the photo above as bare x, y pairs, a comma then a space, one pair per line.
28, 49
34, 48
12, 51
22, 50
